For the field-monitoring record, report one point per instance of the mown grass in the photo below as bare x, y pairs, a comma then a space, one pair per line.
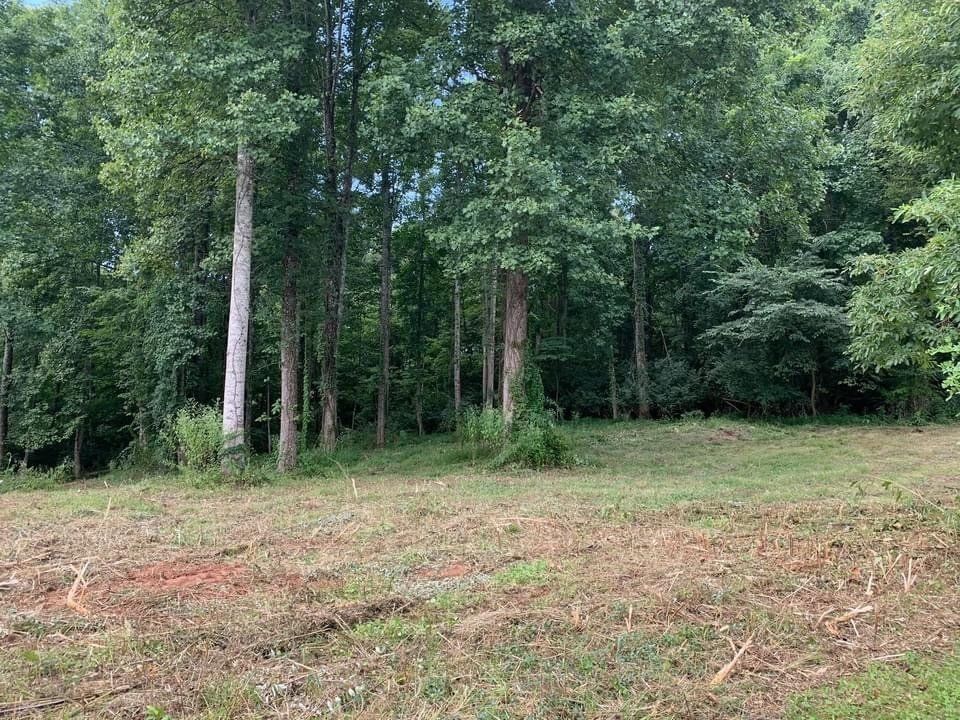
420, 582
912, 689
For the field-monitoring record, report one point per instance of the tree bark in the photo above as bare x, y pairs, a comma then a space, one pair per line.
309, 368
235, 376
457, 343
418, 341
386, 271
641, 376
6, 370
514, 341
614, 394
77, 452
813, 392
490, 337
289, 356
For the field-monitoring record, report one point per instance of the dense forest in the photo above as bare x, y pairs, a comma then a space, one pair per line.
378, 216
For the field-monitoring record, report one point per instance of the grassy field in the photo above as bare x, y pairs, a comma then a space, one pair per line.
684, 570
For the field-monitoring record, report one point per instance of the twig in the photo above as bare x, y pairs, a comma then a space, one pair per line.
79, 587
727, 670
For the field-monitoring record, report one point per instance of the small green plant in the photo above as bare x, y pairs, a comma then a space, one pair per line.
157, 713
535, 572
36, 478
198, 434
484, 427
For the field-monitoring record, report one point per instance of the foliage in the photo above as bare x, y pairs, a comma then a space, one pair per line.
744, 153
199, 436
906, 314
533, 439
675, 386
783, 341
483, 427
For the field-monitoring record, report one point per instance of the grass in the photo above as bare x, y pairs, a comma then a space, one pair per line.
418, 582
913, 690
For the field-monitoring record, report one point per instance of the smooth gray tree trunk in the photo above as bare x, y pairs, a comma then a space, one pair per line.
238, 328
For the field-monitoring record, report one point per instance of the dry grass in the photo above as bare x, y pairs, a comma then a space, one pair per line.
422, 599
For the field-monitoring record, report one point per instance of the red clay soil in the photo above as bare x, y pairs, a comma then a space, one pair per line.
177, 576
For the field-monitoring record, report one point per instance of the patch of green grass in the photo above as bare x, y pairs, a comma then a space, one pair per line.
519, 574
392, 630
227, 699
917, 689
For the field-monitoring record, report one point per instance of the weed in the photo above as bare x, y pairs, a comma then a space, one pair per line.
198, 432
520, 574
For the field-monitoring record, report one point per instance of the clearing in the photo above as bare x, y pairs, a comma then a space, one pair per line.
712, 569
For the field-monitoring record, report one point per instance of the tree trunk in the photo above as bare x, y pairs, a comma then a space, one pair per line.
813, 391
514, 341
614, 394
418, 341
341, 195
306, 406
457, 342
289, 356
386, 270
77, 452
235, 376
490, 337
6, 369
641, 377
331, 337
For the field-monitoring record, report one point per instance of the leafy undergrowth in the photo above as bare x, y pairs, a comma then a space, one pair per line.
616, 590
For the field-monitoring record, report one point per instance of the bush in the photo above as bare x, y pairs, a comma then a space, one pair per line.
36, 478
533, 440
199, 436
675, 386
536, 446
483, 427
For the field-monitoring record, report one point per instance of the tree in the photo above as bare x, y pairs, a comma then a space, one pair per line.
782, 344
200, 81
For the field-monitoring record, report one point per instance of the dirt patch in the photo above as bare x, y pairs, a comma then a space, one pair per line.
177, 576
725, 434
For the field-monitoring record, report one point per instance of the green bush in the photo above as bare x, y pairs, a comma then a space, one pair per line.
483, 427
533, 439
675, 386
536, 446
199, 436
36, 478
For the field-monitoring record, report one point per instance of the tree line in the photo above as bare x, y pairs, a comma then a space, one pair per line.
344, 216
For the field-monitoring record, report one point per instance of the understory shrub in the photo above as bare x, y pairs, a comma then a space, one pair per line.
483, 427
531, 441
199, 436
676, 387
